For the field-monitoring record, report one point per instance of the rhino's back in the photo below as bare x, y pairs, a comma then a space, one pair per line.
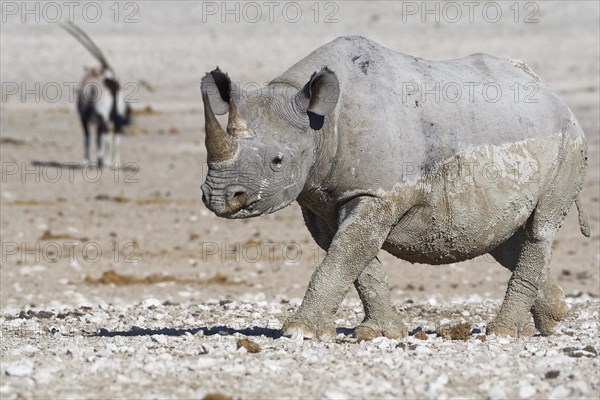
398, 112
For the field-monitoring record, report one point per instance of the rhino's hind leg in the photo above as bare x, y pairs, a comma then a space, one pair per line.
529, 260
549, 308
514, 318
380, 317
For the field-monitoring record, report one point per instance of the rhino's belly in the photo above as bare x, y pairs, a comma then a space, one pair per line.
427, 235
473, 202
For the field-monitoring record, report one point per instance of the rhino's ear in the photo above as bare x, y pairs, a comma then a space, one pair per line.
320, 96
217, 85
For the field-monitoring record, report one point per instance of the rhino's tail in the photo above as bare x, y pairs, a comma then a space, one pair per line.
583, 219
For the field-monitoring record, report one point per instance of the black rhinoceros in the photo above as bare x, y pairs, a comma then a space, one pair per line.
434, 161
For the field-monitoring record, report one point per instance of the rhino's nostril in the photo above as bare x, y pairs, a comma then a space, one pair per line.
236, 198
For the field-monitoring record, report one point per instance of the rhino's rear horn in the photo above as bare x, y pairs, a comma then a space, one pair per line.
237, 126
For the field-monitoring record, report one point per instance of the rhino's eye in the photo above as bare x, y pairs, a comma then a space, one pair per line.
277, 162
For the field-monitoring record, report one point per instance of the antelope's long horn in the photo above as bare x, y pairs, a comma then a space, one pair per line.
87, 42
220, 145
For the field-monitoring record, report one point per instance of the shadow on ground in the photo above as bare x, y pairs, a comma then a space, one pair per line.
208, 331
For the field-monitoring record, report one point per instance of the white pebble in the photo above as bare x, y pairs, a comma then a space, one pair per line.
496, 392
423, 350
20, 369
526, 391
333, 395
27, 270
151, 303
44, 375
204, 362
160, 339
559, 392
427, 370
579, 385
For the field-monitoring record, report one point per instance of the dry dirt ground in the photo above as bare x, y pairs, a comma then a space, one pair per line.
120, 283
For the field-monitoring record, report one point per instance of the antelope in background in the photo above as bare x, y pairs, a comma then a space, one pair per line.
100, 101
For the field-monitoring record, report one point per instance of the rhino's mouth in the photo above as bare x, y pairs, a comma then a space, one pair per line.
239, 202
247, 210
233, 201
234, 207
243, 213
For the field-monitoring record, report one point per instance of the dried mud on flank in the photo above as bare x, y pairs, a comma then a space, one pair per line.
112, 277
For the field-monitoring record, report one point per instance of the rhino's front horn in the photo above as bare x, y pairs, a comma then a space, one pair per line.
220, 146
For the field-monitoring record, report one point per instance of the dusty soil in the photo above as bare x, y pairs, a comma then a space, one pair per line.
120, 283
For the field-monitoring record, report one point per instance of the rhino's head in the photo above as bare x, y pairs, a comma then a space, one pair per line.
260, 163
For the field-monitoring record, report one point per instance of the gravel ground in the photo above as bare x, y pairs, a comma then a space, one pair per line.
137, 350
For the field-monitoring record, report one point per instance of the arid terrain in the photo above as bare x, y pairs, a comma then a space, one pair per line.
120, 283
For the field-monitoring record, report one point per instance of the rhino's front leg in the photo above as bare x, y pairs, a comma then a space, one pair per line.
372, 286
365, 224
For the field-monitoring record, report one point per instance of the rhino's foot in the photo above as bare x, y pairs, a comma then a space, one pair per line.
549, 309
500, 327
297, 329
370, 329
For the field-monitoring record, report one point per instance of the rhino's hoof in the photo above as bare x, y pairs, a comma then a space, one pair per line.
514, 330
367, 331
549, 310
298, 330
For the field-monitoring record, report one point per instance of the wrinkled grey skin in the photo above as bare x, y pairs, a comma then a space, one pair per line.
428, 181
